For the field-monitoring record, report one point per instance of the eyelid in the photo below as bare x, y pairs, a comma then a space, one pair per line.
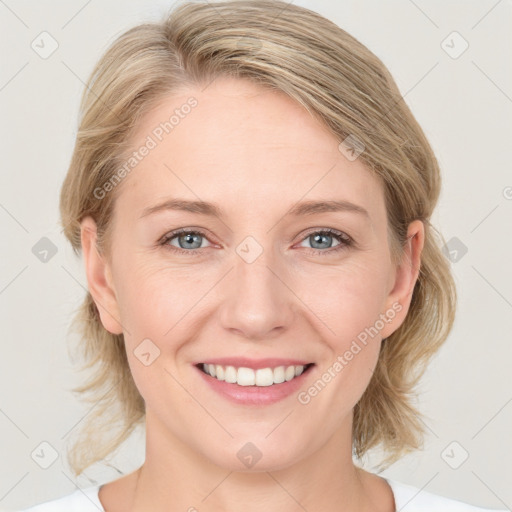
179, 231
330, 231
346, 240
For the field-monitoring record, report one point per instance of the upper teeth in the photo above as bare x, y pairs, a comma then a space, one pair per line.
249, 377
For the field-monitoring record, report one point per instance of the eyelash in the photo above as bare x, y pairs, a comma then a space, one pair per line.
345, 241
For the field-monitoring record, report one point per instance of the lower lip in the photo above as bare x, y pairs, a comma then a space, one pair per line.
255, 395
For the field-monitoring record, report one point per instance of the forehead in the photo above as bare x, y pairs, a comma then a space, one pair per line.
245, 147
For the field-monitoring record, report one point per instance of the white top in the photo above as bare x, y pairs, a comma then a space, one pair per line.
407, 499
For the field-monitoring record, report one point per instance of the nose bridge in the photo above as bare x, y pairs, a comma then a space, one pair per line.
257, 301
252, 267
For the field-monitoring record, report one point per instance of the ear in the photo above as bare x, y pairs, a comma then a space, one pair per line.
404, 279
99, 278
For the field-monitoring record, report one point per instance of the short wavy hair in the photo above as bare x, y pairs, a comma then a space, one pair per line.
339, 81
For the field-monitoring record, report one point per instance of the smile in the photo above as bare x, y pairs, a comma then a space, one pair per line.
262, 377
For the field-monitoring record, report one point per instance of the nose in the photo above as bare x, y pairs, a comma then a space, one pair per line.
257, 303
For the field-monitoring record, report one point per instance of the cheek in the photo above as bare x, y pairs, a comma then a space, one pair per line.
349, 303
347, 299
339, 307
155, 306
153, 298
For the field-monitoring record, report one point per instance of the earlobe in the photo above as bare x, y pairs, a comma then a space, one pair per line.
98, 278
406, 276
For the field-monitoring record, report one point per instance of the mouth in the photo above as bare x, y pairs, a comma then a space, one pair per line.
251, 377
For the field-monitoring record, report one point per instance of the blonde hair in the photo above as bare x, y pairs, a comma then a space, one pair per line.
340, 82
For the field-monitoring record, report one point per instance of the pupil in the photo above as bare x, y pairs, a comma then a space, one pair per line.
189, 238
318, 238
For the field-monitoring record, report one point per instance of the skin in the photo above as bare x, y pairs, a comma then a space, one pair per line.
255, 153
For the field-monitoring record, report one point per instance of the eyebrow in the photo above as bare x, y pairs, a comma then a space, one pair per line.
300, 209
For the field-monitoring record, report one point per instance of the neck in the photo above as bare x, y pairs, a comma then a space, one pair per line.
176, 478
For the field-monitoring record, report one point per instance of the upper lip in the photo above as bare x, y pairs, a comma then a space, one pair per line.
255, 364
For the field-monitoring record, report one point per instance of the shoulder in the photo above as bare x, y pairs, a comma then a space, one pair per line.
413, 499
82, 500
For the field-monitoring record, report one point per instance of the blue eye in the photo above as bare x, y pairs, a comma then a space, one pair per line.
191, 239
323, 240
187, 240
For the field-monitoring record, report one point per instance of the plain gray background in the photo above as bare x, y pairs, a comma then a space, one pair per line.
463, 101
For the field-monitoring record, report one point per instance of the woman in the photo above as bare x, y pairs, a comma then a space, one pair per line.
252, 200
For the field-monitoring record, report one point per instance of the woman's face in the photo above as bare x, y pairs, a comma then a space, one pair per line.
258, 283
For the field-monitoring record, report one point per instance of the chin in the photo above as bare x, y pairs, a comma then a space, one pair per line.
256, 456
